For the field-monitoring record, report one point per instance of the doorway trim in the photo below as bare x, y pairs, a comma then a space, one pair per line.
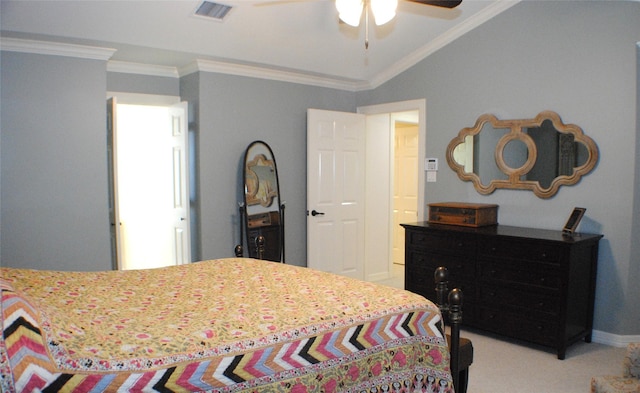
419, 105
144, 99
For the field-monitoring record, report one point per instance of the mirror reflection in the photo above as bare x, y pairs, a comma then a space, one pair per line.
261, 182
263, 209
539, 154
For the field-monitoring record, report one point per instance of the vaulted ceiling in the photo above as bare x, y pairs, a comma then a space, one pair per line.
302, 37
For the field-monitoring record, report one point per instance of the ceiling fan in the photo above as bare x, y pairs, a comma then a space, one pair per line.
351, 11
383, 10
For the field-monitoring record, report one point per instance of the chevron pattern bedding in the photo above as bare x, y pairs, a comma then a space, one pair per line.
226, 325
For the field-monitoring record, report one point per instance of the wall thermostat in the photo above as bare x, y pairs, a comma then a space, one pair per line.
431, 164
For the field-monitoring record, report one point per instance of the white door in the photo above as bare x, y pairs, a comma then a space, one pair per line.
405, 185
114, 215
335, 192
181, 219
150, 189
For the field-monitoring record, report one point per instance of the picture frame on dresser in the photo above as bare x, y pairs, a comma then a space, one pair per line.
574, 220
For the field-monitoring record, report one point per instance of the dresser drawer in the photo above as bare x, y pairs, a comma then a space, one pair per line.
538, 275
516, 325
418, 281
445, 243
427, 288
419, 277
545, 302
513, 249
456, 265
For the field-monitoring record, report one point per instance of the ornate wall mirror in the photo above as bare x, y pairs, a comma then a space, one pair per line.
262, 209
539, 154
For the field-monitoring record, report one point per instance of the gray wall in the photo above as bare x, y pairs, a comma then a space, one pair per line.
54, 160
634, 269
54, 191
578, 59
234, 111
142, 84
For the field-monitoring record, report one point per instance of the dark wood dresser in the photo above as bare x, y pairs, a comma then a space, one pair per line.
530, 284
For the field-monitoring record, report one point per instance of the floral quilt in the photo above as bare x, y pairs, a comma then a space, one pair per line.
226, 325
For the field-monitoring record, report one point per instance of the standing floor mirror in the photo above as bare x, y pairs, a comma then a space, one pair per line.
262, 211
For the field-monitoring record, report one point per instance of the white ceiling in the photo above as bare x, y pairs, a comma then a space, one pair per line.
285, 35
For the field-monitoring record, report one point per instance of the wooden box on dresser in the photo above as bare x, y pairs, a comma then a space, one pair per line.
530, 284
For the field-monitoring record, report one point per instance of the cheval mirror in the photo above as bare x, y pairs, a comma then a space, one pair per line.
262, 209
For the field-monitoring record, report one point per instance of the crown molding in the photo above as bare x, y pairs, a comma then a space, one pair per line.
142, 69
441, 41
271, 74
55, 49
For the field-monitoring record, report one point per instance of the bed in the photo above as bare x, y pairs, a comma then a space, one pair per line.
226, 325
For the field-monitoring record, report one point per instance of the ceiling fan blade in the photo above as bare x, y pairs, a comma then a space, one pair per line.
439, 3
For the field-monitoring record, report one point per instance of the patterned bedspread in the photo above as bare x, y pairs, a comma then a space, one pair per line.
227, 325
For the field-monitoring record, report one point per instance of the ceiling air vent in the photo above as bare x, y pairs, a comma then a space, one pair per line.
213, 10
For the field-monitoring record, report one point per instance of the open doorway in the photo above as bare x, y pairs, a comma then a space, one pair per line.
405, 179
149, 185
406, 132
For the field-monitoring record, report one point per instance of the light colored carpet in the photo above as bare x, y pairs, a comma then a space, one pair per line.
504, 366
501, 365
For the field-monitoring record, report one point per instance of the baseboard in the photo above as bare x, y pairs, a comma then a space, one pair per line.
381, 276
614, 340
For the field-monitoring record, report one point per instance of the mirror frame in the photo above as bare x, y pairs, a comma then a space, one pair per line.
516, 133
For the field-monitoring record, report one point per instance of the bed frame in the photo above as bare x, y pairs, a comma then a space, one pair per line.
461, 349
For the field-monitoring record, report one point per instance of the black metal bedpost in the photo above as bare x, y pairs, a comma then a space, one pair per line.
239, 250
282, 230
441, 277
260, 247
455, 318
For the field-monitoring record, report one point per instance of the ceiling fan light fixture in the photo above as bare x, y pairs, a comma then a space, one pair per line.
350, 11
383, 10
